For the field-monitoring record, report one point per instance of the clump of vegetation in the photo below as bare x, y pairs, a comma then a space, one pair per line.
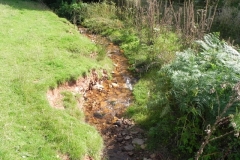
102, 25
72, 11
195, 93
147, 17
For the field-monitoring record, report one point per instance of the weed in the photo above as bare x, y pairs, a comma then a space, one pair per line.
193, 94
101, 53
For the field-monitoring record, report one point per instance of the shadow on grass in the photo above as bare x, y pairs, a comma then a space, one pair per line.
25, 5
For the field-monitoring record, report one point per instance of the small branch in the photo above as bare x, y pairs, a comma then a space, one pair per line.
232, 101
210, 130
223, 121
174, 14
148, 66
215, 9
214, 153
221, 135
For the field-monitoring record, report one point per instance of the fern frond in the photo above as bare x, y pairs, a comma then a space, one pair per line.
204, 45
210, 41
230, 50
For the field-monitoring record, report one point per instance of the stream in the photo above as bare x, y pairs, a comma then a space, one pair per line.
104, 102
105, 105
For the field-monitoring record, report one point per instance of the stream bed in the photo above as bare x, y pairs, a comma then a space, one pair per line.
104, 103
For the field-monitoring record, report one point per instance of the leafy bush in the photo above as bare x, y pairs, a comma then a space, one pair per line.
102, 25
191, 93
106, 10
72, 12
165, 45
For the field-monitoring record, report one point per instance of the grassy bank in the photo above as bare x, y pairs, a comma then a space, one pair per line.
38, 52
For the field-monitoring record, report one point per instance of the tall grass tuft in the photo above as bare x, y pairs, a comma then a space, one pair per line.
190, 21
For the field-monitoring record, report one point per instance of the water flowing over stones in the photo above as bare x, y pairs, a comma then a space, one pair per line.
104, 102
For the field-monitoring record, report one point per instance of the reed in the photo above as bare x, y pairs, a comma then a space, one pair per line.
191, 21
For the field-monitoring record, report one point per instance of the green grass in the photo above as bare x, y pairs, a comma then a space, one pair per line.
139, 111
38, 51
70, 104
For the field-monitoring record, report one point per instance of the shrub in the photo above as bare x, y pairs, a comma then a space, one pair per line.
191, 93
72, 12
102, 25
165, 45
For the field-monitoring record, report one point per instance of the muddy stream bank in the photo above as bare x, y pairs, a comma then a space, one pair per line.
104, 102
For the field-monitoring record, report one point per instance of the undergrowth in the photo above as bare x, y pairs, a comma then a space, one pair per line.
194, 94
